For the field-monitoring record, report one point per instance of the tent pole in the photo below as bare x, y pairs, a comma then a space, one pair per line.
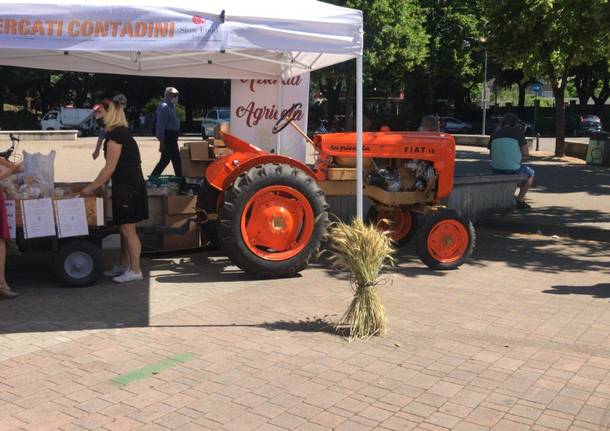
359, 139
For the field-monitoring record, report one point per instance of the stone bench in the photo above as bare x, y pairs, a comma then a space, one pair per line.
476, 195
472, 196
482, 141
39, 135
577, 149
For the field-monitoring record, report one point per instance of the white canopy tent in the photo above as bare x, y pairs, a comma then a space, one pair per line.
226, 39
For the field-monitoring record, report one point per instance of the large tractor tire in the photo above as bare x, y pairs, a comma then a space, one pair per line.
446, 240
401, 225
273, 220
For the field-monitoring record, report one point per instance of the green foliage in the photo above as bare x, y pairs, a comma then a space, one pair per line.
546, 38
455, 27
395, 40
18, 120
152, 104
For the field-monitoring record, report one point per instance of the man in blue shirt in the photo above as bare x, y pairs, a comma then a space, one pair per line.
508, 150
167, 132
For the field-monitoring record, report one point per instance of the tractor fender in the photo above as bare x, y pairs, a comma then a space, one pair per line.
224, 171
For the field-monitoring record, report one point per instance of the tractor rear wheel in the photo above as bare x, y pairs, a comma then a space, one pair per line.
273, 220
401, 225
446, 240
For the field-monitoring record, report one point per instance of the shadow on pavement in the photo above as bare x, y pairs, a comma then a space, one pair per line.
567, 215
600, 291
541, 254
44, 305
529, 252
196, 268
314, 324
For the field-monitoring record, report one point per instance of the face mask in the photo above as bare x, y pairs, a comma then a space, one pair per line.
100, 122
175, 100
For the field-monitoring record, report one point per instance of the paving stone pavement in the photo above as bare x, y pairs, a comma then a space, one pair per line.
518, 339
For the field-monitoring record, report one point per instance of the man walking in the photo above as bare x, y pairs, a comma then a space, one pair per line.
167, 132
508, 150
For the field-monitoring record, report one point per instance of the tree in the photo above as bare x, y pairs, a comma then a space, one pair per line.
455, 60
548, 38
592, 81
509, 77
395, 42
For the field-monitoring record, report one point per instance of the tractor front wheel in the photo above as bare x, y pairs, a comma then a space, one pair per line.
446, 240
400, 224
273, 220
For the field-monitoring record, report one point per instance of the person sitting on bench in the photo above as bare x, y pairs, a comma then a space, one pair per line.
508, 150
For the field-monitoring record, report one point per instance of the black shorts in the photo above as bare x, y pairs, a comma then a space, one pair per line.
129, 203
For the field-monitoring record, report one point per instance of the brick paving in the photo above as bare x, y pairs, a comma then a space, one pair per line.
517, 339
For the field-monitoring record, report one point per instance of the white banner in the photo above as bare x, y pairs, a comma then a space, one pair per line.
125, 25
254, 111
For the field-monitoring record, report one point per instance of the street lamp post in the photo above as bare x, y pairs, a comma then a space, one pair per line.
484, 93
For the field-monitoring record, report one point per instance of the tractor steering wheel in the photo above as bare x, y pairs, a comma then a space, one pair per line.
286, 118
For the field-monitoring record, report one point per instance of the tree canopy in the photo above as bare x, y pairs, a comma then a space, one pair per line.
547, 38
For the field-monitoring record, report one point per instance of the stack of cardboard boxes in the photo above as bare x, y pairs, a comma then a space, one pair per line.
178, 211
196, 157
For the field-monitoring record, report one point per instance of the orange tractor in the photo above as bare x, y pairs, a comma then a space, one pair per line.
270, 215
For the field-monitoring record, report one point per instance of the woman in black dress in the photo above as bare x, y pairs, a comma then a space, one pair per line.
129, 199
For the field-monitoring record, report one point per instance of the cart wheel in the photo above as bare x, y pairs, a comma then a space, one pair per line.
79, 263
401, 225
446, 240
273, 220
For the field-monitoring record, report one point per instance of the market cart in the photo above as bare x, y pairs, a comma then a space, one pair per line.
77, 257
48, 226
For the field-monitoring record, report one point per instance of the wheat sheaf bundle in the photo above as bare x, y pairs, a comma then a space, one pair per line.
364, 251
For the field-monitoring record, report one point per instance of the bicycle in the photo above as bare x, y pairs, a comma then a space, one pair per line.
6, 155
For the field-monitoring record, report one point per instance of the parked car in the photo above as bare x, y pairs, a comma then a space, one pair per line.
587, 125
215, 117
493, 123
453, 125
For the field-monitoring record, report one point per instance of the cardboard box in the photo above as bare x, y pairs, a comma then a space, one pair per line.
221, 128
180, 205
199, 151
188, 241
222, 151
191, 168
156, 212
213, 142
180, 220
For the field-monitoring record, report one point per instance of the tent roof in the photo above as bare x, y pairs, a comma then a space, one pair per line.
239, 39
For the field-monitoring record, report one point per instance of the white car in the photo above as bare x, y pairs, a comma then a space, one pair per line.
215, 117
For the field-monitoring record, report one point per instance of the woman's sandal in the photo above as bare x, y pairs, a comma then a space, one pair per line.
7, 293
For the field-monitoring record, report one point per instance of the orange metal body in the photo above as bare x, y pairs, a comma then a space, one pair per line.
438, 148
245, 156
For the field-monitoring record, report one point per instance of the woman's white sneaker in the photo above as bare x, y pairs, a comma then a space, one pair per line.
128, 276
116, 271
